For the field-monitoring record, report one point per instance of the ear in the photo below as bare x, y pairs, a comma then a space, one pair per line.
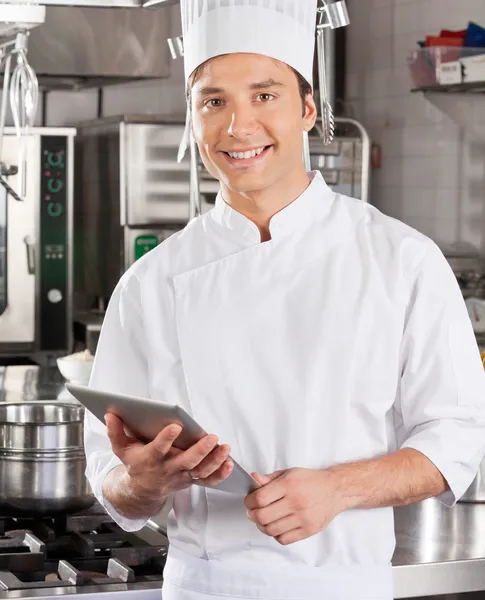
310, 116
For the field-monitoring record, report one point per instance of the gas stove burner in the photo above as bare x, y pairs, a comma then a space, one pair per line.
85, 550
67, 575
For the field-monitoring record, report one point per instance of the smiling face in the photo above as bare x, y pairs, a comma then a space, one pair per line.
247, 121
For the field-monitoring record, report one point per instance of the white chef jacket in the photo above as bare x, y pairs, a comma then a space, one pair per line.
344, 337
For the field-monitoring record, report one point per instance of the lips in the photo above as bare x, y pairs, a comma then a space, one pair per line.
246, 154
247, 158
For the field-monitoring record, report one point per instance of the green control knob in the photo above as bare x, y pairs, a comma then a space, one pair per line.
56, 159
54, 185
54, 209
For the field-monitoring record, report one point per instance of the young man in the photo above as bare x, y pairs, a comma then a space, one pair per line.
326, 343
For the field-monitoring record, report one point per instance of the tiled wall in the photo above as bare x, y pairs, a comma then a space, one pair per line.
433, 172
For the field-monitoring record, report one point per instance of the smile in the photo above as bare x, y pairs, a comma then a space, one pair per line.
247, 157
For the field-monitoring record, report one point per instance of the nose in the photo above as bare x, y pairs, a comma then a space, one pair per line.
243, 123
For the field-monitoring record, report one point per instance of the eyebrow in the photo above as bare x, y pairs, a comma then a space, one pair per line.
259, 85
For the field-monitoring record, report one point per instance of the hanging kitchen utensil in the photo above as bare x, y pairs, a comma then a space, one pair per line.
10, 190
5, 57
326, 111
332, 15
195, 209
337, 13
24, 98
306, 152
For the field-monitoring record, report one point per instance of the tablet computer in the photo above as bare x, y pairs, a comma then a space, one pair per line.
145, 418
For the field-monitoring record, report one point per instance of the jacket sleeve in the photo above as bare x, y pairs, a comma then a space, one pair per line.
440, 408
120, 365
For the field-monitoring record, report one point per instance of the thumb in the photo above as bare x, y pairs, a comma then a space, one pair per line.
265, 479
116, 433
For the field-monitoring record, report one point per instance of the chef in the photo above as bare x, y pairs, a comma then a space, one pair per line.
323, 344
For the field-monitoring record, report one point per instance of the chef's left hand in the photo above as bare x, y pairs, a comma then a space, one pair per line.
294, 504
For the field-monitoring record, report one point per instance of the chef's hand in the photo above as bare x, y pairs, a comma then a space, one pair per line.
295, 504
157, 469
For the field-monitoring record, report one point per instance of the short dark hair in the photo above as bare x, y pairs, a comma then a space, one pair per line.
304, 87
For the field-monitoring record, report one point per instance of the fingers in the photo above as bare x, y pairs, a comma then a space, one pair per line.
265, 479
291, 537
220, 475
162, 444
281, 526
191, 458
211, 463
271, 513
117, 436
266, 495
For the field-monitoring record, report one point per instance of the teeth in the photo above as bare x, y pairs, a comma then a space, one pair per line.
249, 154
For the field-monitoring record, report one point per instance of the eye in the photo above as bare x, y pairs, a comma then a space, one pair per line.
213, 103
265, 97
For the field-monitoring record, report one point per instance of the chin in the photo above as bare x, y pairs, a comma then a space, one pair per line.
244, 183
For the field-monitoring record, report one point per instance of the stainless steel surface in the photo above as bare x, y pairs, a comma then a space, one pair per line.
129, 186
331, 16
87, 327
439, 550
27, 383
43, 484
306, 152
102, 3
3, 250
71, 49
336, 12
366, 155
326, 111
476, 492
42, 460
176, 47
81, 554
40, 426
195, 208
23, 90
345, 163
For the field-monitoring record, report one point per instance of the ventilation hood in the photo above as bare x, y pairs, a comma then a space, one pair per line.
93, 46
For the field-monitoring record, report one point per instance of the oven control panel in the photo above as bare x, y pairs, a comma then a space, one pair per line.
54, 221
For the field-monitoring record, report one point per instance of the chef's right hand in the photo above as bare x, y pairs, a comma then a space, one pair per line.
157, 469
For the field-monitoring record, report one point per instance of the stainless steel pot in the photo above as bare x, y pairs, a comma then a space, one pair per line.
476, 492
42, 458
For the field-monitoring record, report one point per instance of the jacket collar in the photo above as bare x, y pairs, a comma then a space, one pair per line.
296, 218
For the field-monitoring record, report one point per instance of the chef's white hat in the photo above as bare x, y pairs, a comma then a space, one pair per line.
281, 29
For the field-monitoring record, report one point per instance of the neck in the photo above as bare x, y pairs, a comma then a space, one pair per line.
261, 205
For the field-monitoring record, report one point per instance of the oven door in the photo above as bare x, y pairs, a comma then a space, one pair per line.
17, 254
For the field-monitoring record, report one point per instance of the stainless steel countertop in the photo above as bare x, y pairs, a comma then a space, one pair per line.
439, 550
30, 382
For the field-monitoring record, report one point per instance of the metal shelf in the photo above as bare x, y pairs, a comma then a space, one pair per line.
474, 87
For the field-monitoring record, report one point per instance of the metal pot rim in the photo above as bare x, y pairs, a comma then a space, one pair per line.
53, 403
23, 455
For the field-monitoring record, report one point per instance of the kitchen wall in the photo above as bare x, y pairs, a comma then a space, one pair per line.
433, 171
